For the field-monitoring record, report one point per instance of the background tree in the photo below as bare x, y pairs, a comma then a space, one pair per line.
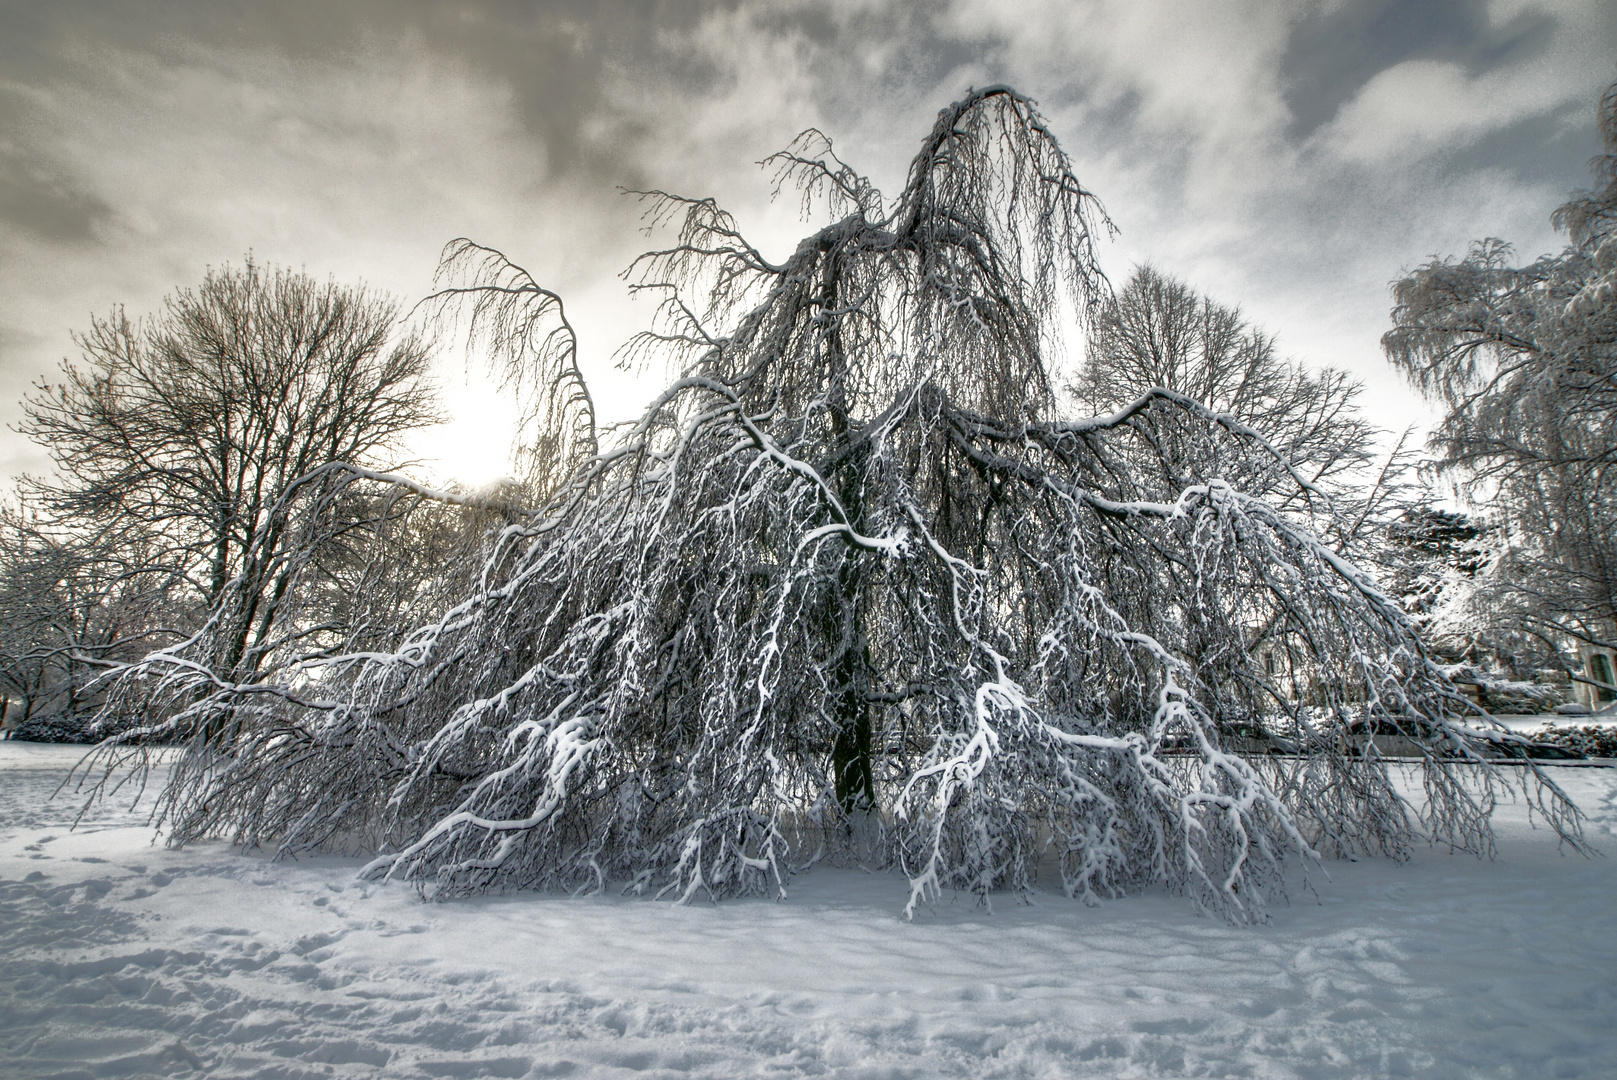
1443, 565
1158, 332
1439, 550
852, 585
70, 611
1524, 359
185, 439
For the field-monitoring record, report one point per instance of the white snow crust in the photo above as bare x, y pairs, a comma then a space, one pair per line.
121, 958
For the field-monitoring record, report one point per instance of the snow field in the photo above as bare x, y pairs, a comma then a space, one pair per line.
120, 958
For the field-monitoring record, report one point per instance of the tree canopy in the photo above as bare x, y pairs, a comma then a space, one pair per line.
1159, 333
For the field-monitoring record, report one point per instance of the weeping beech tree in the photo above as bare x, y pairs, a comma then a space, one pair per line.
852, 587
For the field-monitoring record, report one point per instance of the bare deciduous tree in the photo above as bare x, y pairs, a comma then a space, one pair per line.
71, 609
181, 438
853, 587
1159, 332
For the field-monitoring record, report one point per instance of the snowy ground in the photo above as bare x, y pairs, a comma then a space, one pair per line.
120, 958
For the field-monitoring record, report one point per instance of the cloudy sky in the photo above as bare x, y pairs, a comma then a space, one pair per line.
1291, 157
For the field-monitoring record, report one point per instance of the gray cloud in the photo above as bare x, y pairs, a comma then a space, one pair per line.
14, 338
48, 206
1333, 52
553, 55
1549, 151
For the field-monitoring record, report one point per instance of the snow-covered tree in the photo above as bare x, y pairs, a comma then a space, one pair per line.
1525, 361
1453, 576
71, 608
854, 587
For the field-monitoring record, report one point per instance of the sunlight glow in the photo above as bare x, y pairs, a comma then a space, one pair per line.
474, 447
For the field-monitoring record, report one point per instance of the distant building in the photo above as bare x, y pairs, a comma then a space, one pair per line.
1596, 685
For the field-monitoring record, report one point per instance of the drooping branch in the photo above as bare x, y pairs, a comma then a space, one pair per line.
525, 329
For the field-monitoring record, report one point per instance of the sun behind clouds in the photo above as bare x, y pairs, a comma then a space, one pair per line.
473, 448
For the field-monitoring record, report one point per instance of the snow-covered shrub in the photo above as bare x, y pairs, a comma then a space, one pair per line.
1591, 740
1504, 696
